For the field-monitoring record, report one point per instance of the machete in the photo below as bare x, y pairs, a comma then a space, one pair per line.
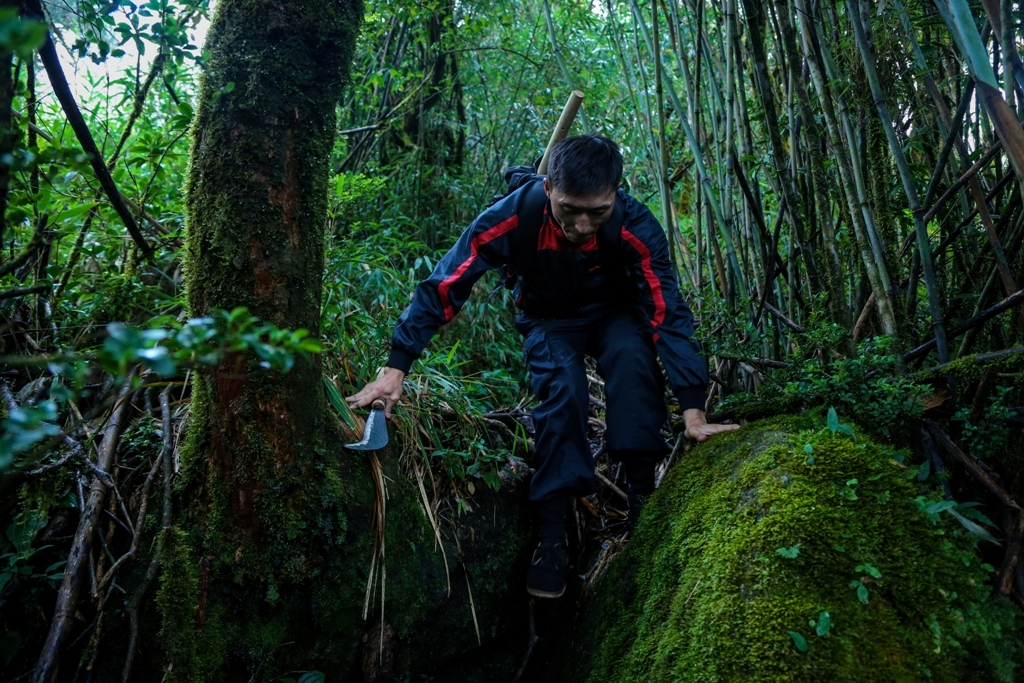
375, 433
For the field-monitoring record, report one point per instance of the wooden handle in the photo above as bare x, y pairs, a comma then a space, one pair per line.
378, 404
562, 128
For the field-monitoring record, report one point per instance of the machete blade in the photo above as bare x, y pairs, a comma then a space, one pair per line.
375, 434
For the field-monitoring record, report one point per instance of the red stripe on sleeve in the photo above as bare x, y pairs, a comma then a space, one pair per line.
478, 241
652, 280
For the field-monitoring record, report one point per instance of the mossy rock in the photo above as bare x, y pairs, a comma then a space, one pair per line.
757, 534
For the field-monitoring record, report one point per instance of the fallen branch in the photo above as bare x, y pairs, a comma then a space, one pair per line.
981, 358
1009, 302
968, 174
75, 450
783, 318
25, 291
976, 471
67, 596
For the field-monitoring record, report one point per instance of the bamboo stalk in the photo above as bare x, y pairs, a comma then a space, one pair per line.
708, 187
907, 179
1004, 120
851, 178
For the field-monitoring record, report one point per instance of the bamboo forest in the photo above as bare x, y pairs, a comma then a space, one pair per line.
474, 341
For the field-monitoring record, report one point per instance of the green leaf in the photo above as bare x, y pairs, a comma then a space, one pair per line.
338, 403
824, 624
974, 528
833, 420
862, 593
790, 553
924, 471
941, 506
869, 569
10, 643
73, 212
312, 677
799, 641
808, 449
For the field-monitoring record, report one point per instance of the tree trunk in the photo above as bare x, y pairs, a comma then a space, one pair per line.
263, 516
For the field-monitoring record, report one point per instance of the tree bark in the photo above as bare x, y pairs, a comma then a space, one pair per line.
263, 512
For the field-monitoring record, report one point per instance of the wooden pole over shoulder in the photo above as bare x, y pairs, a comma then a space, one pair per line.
562, 128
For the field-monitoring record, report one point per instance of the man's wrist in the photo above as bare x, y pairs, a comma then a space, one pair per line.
388, 370
694, 417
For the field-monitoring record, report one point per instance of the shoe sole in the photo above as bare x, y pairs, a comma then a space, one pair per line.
537, 593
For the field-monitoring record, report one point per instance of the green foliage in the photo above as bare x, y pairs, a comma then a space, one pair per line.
18, 550
20, 35
23, 428
166, 347
868, 386
991, 435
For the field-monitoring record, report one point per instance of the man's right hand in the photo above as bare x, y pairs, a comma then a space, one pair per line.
387, 386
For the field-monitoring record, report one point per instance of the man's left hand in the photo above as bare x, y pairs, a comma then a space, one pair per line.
698, 428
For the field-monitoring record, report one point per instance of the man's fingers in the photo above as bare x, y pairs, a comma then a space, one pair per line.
364, 397
373, 391
701, 433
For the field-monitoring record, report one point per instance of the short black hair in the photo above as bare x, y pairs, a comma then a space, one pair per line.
585, 165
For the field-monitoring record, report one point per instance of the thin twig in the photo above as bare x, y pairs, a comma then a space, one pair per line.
67, 596
472, 607
166, 456
615, 489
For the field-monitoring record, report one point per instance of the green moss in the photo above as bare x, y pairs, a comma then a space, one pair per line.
179, 587
968, 370
702, 593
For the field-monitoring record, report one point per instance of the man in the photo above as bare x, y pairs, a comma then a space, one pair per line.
593, 277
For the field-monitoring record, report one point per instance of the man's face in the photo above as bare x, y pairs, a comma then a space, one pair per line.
580, 216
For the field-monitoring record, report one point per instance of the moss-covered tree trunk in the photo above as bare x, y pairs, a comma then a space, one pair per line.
261, 526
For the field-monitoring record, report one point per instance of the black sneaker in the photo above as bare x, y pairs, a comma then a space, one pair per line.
636, 507
546, 577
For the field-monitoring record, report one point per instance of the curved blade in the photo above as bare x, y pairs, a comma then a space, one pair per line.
375, 435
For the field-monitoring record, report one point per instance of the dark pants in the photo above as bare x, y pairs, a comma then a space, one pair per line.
619, 338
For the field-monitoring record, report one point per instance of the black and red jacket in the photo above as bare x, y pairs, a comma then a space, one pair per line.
627, 263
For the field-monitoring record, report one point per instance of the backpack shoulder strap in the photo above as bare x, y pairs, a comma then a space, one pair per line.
530, 212
611, 232
531, 217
